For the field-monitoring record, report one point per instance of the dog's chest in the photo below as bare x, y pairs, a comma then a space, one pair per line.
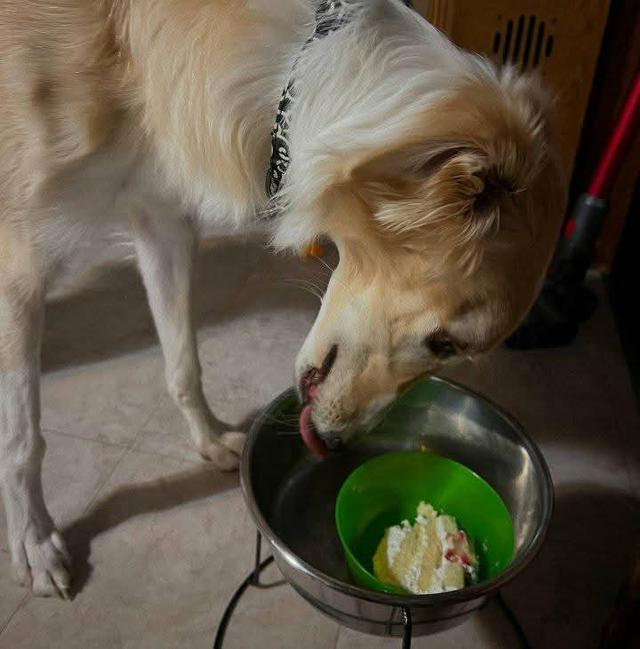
86, 213
89, 213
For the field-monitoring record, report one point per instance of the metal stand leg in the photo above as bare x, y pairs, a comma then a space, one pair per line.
252, 580
406, 621
513, 620
256, 566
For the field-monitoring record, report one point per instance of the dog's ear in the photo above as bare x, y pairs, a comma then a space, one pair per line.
461, 186
474, 181
463, 163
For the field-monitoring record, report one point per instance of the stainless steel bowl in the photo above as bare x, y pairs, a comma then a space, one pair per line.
292, 497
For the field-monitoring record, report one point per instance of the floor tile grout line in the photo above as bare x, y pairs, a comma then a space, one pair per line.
141, 429
130, 444
103, 483
169, 456
338, 632
126, 451
53, 431
27, 597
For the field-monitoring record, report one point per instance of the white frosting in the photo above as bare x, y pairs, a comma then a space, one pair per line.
397, 534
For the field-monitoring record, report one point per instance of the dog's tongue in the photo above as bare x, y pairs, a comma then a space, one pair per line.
309, 435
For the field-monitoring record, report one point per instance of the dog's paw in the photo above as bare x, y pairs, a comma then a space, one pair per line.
42, 564
234, 442
225, 451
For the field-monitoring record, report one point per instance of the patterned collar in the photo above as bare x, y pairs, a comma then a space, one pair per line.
331, 15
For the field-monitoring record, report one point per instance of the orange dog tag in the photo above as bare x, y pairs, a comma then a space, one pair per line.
313, 250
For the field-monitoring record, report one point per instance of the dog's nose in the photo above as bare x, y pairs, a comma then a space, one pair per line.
328, 361
314, 376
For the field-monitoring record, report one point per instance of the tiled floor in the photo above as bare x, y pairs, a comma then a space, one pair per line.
160, 540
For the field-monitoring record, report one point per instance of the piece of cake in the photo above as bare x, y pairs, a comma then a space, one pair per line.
430, 556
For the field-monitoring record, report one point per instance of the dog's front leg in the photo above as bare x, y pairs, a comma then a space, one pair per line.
38, 554
165, 249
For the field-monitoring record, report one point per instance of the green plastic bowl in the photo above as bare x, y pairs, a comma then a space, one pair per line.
387, 489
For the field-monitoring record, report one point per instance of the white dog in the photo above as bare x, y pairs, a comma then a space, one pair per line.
431, 171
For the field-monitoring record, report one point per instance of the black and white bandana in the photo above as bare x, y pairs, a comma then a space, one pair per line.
331, 15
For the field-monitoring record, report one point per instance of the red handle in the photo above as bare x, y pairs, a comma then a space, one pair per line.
618, 143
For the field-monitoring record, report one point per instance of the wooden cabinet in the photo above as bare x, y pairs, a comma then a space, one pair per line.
561, 39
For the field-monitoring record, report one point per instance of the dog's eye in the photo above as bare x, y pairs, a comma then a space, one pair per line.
440, 345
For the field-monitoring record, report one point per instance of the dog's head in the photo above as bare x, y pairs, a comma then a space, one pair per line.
444, 238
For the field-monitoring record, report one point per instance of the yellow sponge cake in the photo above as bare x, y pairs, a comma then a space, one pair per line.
431, 556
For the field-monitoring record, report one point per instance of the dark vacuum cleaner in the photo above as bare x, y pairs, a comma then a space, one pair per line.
565, 302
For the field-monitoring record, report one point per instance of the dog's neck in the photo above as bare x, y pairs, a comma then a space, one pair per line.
331, 15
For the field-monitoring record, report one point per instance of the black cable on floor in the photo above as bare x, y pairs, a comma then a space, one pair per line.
517, 627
